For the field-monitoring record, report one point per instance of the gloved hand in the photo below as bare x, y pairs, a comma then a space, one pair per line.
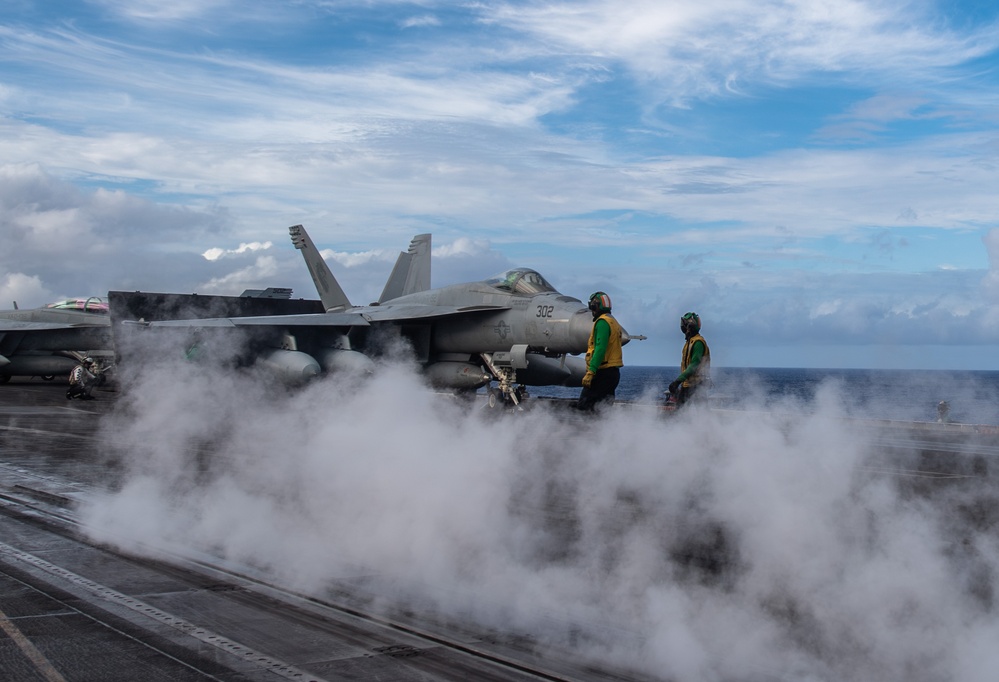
587, 378
675, 386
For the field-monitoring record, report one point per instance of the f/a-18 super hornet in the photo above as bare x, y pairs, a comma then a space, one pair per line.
514, 328
51, 340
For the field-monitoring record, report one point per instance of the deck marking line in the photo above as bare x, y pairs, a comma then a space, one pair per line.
243, 652
30, 650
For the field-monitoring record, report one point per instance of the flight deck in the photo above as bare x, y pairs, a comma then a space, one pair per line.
73, 609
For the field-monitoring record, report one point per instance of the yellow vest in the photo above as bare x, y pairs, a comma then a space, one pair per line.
701, 373
613, 356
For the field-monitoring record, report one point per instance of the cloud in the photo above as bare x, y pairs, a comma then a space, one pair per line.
991, 241
463, 246
274, 136
260, 274
215, 252
990, 283
355, 259
76, 242
590, 140
468, 260
151, 10
714, 48
421, 21
16, 286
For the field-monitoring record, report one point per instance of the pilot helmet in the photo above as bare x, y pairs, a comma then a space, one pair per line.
691, 322
600, 302
87, 361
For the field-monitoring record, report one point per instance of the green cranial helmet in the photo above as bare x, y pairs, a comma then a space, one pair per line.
690, 321
600, 302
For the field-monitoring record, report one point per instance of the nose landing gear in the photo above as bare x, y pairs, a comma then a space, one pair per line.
503, 367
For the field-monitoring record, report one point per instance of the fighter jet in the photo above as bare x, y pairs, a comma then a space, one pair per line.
51, 340
514, 328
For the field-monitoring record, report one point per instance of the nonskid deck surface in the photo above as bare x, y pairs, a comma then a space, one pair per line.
75, 610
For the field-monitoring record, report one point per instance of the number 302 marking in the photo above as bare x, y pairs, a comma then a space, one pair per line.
545, 310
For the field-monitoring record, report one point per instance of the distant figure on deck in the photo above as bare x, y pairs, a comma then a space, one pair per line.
82, 380
943, 412
695, 363
604, 359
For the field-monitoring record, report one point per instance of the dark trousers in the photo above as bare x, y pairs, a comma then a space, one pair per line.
80, 391
690, 394
601, 389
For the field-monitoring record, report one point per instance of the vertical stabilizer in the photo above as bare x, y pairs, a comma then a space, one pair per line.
411, 272
329, 289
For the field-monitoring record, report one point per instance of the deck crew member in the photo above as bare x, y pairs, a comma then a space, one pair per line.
695, 362
603, 355
82, 380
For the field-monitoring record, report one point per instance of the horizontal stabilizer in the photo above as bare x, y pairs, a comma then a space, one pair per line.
158, 307
269, 292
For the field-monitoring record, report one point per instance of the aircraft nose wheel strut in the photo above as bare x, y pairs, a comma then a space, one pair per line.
503, 367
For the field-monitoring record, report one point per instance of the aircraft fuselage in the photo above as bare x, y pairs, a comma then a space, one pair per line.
548, 322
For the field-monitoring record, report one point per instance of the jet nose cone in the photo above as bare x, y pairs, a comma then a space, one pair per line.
580, 326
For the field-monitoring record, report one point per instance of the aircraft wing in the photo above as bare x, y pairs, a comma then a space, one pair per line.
359, 317
25, 326
307, 320
399, 313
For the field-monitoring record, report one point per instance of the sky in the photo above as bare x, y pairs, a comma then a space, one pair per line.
818, 180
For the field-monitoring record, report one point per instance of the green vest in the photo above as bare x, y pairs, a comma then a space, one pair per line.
703, 369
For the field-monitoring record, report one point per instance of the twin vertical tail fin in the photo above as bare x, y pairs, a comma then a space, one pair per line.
411, 273
329, 289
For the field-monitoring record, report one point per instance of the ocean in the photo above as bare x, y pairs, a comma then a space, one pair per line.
907, 395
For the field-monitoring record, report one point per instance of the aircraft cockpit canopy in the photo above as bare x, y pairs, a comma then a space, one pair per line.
521, 281
94, 304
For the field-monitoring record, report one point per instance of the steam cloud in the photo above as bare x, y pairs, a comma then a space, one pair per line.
712, 546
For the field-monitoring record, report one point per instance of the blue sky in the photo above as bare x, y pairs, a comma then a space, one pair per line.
819, 180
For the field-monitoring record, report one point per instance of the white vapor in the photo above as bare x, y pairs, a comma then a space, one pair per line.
713, 546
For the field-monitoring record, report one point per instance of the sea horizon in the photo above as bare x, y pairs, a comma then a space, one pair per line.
972, 396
